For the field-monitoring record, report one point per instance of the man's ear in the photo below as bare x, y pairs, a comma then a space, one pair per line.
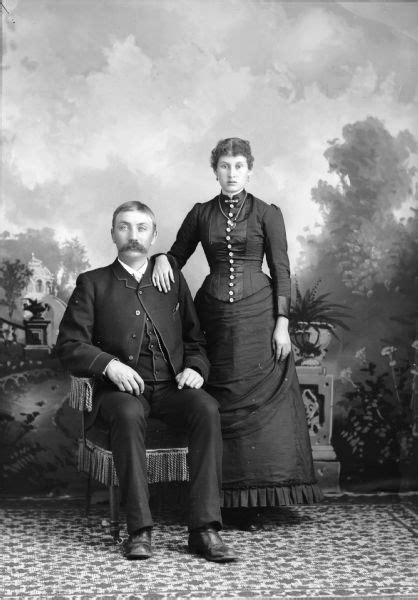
154, 237
113, 237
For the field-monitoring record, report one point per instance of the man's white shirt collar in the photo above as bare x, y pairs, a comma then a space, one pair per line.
138, 273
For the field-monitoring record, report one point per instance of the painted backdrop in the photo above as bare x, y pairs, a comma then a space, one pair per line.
108, 101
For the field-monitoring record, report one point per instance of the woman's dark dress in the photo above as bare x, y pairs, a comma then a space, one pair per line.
267, 458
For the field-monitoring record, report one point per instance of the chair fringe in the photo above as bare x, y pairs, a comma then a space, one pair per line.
165, 464
81, 393
97, 462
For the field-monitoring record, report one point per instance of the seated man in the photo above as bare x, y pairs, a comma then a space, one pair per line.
146, 351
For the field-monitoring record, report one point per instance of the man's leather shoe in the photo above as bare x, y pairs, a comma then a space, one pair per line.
207, 542
138, 546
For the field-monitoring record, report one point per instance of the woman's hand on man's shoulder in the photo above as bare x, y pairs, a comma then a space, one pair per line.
162, 274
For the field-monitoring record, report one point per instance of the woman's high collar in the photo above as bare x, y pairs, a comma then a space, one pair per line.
234, 198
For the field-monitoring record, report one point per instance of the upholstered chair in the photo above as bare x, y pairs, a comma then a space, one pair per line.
166, 452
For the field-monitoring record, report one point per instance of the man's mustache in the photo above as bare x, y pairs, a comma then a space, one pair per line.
133, 245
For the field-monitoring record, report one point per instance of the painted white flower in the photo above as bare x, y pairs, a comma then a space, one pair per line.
388, 350
346, 376
360, 355
346, 373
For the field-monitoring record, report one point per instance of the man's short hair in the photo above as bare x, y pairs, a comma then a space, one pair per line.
134, 205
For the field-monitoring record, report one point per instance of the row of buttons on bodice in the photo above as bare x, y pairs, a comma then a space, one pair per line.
229, 229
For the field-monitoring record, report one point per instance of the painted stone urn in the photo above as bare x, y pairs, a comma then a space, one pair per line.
313, 321
310, 342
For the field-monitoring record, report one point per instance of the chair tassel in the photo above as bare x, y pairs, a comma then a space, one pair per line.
81, 393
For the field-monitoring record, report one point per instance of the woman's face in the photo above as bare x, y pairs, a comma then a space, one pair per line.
232, 172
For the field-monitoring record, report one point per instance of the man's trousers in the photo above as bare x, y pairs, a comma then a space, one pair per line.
197, 413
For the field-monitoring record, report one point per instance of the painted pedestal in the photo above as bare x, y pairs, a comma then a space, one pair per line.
36, 347
318, 395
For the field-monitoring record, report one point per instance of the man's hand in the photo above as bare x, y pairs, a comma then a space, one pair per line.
281, 339
125, 378
189, 378
162, 274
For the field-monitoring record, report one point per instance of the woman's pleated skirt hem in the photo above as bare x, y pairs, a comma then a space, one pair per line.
271, 496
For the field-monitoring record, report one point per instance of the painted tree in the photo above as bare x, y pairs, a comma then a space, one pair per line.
366, 255
73, 262
14, 277
361, 239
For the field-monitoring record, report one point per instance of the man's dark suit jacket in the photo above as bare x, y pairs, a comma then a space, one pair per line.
105, 319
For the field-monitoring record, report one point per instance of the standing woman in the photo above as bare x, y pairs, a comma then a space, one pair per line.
267, 458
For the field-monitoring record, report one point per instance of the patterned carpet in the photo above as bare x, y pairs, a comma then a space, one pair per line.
50, 550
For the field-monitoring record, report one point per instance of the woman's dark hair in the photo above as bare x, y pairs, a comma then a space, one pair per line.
231, 147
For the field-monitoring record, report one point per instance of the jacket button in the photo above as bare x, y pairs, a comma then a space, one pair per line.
231, 284
229, 246
231, 277
140, 292
231, 292
231, 269
130, 357
137, 312
231, 299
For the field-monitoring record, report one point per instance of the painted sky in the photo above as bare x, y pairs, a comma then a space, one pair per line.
107, 101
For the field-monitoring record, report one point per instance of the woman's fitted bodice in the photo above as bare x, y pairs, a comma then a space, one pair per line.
235, 257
